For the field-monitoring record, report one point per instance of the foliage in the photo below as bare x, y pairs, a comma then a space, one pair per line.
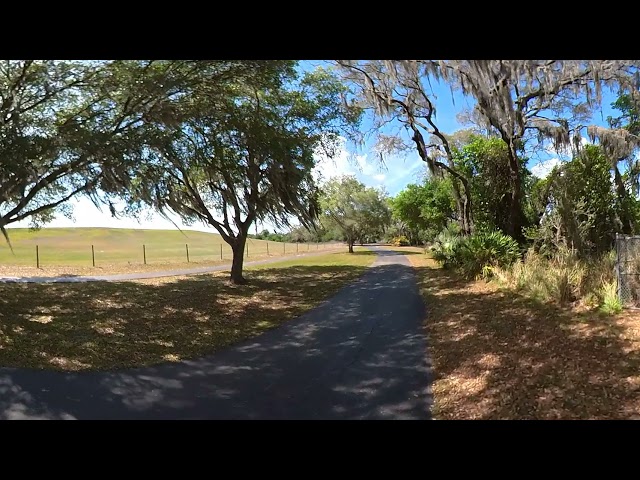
66, 126
357, 211
562, 278
470, 255
400, 241
424, 209
610, 301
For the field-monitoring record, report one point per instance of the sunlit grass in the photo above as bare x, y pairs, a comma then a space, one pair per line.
113, 247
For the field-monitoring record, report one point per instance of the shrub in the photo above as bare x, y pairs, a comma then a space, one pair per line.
401, 241
493, 249
562, 278
471, 255
444, 246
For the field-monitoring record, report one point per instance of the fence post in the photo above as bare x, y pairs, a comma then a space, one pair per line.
144, 253
220, 251
93, 256
247, 249
267, 248
186, 245
297, 247
37, 257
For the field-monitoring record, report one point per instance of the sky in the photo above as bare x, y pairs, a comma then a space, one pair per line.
394, 174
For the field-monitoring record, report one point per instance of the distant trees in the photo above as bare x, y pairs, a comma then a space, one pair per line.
424, 209
360, 213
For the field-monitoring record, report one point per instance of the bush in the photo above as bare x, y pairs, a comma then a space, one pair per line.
400, 241
443, 247
476, 254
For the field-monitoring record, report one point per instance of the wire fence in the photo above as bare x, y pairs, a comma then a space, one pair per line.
92, 255
628, 269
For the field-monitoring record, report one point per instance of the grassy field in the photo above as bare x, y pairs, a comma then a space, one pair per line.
104, 325
497, 354
68, 250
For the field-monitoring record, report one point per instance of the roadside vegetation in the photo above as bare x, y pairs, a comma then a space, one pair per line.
502, 354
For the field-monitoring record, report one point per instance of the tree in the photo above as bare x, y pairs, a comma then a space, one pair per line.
484, 160
521, 99
579, 205
244, 153
399, 91
65, 128
424, 208
356, 210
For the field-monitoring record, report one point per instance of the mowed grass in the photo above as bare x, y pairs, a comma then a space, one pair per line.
105, 325
497, 354
68, 250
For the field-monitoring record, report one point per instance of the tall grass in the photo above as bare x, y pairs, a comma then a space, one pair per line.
563, 278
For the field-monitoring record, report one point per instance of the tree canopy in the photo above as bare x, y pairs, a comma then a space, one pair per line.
359, 212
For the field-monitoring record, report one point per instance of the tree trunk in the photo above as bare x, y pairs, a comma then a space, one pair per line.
238, 259
514, 221
350, 242
625, 217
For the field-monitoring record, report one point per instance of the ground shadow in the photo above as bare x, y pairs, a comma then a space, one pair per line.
500, 355
362, 355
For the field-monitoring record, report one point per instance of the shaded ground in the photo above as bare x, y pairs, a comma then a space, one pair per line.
100, 325
499, 355
359, 355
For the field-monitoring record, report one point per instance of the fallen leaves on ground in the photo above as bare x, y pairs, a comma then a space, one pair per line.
499, 355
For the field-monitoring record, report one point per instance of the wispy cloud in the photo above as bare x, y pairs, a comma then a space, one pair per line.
541, 170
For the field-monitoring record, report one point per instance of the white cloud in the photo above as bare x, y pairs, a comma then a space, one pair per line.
564, 152
543, 169
345, 163
339, 165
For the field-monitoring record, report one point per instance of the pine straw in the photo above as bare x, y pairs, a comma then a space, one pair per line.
499, 355
104, 325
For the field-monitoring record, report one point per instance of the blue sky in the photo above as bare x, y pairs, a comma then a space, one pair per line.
395, 174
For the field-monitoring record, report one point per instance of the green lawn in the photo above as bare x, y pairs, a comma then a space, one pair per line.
111, 325
72, 247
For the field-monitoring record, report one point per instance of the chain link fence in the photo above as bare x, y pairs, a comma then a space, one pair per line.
628, 269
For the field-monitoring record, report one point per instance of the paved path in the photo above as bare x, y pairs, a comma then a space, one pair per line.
157, 274
360, 355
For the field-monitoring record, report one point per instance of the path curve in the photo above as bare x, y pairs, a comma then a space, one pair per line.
123, 277
359, 355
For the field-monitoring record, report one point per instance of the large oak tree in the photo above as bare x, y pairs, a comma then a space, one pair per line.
242, 148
